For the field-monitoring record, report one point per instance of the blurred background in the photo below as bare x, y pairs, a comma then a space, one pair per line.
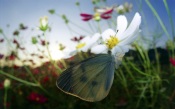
31, 59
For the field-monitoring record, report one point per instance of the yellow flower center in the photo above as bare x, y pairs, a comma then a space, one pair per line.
80, 45
111, 42
97, 16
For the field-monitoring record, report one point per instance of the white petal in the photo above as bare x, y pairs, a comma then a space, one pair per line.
107, 33
73, 52
121, 25
120, 49
96, 36
85, 39
99, 49
133, 28
91, 42
130, 39
115, 50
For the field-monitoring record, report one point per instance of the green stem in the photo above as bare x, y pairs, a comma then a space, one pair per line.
99, 29
48, 93
158, 18
80, 55
8, 41
170, 17
18, 79
64, 63
5, 98
30, 73
59, 69
139, 71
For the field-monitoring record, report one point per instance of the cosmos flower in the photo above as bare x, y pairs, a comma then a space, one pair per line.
35, 97
77, 39
85, 44
172, 61
117, 43
97, 16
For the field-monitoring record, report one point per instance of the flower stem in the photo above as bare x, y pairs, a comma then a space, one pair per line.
158, 18
99, 29
59, 69
18, 79
5, 98
170, 17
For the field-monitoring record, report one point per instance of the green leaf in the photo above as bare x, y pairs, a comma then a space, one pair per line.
52, 11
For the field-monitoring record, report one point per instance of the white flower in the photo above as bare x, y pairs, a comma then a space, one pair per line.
86, 43
117, 43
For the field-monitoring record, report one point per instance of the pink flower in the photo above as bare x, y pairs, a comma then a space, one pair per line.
172, 61
97, 16
77, 39
107, 14
86, 17
35, 97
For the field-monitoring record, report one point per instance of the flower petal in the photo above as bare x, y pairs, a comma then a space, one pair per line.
120, 49
121, 25
90, 42
85, 39
99, 49
108, 12
107, 33
130, 34
86, 15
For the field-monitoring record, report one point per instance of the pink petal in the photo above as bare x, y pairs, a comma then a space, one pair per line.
86, 19
108, 12
105, 17
86, 15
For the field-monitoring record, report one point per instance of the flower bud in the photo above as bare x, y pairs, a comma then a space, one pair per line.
44, 23
6, 83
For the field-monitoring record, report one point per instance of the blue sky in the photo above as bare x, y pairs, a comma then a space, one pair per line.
14, 12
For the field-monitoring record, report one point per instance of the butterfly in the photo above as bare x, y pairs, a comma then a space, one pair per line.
90, 79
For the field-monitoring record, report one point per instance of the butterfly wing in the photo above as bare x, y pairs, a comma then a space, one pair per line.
89, 80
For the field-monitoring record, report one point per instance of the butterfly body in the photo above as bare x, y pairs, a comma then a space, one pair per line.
89, 80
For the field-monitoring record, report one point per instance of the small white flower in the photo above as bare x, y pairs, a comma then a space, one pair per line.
86, 43
117, 43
